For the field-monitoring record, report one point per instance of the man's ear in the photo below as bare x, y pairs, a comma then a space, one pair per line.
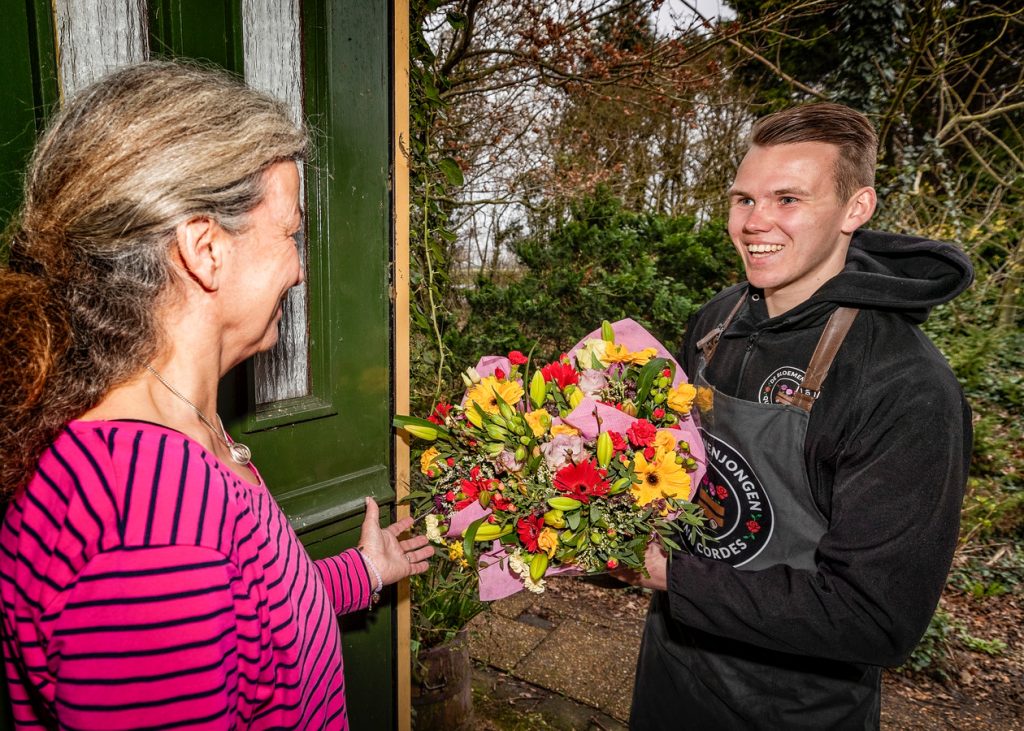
860, 209
200, 251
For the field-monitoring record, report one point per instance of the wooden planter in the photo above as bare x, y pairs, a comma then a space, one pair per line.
442, 693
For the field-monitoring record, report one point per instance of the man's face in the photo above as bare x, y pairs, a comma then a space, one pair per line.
786, 221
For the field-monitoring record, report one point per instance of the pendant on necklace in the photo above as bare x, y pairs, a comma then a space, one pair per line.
240, 453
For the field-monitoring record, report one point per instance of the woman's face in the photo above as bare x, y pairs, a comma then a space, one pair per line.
266, 262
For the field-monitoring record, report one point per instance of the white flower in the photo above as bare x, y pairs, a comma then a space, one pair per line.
537, 587
592, 381
522, 568
591, 349
433, 522
518, 565
563, 450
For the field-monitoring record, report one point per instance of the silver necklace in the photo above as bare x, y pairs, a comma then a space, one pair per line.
240, 454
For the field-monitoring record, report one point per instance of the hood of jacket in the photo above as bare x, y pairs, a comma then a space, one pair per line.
896, 272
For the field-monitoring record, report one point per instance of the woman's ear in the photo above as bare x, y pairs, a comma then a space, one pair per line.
860, 209
200, 248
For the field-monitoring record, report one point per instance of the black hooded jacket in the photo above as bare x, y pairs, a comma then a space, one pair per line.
887, 451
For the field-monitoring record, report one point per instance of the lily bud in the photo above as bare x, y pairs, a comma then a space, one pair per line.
495, 432
607, 333
474, 377
520, 453
473, 415
629, 408
506, 411
575, 397
484, 498
620, 485
421, 432
538, 389
605, 449
554, 518
538, 566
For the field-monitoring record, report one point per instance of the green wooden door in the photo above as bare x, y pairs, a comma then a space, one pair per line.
323, 441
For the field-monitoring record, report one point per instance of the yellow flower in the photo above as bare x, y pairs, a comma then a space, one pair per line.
455, 551
705, 399
427, 459
564, 429
641, 357
658, 479
539, 421
484, 394
548, 541
664, 441
680, 398
615, 353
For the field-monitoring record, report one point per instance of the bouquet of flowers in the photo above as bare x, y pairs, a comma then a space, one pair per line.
573, 466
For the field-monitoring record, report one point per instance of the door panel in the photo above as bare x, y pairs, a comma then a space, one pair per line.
323, 439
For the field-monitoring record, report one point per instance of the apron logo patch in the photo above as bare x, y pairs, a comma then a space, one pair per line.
738, 510
783, 381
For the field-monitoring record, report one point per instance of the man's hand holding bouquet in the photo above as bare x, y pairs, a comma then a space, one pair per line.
574, 466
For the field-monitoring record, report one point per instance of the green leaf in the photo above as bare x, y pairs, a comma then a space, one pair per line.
648, 374
451, 171
456, 20
469, 537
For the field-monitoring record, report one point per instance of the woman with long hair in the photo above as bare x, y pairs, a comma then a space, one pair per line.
147, 577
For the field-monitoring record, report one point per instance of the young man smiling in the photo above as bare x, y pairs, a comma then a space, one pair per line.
838, 442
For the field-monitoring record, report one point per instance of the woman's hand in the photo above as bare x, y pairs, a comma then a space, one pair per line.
394, 559
656, 561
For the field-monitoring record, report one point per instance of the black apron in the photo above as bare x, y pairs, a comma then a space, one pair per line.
758, 499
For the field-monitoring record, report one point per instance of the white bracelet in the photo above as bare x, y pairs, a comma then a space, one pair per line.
375, 596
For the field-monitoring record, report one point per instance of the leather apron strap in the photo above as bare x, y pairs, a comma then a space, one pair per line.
709, 342
828, 345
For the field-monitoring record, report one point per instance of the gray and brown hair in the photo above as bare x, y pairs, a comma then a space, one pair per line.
118, 168
835, 124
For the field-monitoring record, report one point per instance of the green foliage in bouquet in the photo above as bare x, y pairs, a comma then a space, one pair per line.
602, 262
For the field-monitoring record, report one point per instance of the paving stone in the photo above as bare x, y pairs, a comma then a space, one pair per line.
500, 641
514, 605
586, 663
619, 705
555, 607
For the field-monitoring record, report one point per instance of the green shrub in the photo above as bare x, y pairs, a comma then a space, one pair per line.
601, 262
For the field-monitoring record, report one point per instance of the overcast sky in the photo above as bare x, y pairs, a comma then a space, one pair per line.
673, 9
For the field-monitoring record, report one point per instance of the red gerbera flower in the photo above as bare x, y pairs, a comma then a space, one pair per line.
517, 358
561, 373
641, 433
581, 481
529, 529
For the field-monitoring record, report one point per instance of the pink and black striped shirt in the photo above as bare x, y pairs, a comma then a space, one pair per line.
144, 585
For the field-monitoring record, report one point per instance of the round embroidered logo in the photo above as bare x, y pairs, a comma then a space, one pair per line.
738, 510
783, 381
